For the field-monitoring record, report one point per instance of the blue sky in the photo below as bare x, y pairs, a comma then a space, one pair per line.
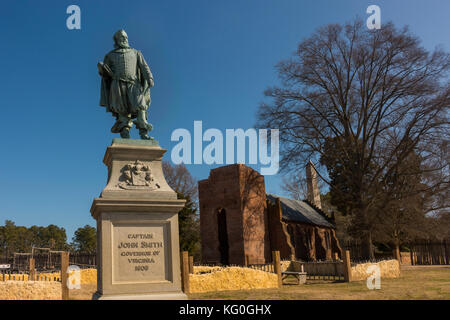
211, 61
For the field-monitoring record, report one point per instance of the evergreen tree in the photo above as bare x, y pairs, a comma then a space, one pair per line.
85, 239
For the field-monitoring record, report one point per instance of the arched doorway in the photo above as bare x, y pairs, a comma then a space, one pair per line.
223, 235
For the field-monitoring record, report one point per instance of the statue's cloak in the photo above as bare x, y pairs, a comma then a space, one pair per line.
105, 86
138, 95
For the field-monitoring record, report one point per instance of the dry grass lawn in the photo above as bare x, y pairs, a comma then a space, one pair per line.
414, 283
85, 293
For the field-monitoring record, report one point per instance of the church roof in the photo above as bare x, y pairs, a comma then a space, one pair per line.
301, 211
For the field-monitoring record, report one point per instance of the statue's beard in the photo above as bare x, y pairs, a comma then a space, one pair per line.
122, 44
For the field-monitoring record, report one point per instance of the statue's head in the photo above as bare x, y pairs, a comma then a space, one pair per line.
121, 39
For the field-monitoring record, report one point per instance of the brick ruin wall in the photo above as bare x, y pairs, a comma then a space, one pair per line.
240, 191
299, 241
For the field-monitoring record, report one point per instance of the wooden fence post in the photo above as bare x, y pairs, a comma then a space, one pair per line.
277, 266
347, 267
64, 267
32, 274
191, 264
185, 271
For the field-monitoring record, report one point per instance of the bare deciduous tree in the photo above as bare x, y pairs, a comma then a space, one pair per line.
295, 186
375, 96
180, 180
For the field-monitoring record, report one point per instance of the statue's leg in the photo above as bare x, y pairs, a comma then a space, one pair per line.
142, 124
125, 126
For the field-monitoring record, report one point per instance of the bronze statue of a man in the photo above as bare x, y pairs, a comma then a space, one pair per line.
125, 90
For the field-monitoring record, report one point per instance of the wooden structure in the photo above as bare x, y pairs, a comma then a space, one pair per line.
430, 252
347, 267
64, 276
184, 259
300, 276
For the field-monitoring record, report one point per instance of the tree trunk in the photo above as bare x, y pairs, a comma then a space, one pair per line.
396, 251
367, 247
364, 229
396, 243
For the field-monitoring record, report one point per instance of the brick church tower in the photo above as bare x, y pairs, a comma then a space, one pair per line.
313, 186
232, 216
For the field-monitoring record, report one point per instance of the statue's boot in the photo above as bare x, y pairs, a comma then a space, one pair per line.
123, 125
117, 127
144, 134
143, 126
125, 133
141, 121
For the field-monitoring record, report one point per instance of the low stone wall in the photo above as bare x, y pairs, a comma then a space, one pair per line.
205, 279
206, 269
88, 276
285, 265
405, 258
30, 290
388, 269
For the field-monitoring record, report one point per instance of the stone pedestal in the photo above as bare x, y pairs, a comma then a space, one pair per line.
138, 254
